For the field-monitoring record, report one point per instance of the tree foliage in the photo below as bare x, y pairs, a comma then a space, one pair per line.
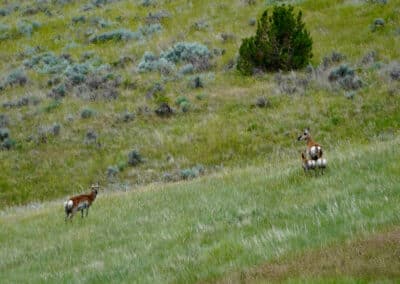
281, 42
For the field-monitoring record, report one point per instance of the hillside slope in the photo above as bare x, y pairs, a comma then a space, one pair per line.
203, 229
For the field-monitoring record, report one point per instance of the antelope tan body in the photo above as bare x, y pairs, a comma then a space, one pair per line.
80, 203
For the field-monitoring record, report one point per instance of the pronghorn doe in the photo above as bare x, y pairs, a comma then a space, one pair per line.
313, 150
307, 164
80, 202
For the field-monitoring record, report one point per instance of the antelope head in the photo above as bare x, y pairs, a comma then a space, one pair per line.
95, 188
305, 135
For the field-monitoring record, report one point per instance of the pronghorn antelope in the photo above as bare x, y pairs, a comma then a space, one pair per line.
80, 203
314, 150
307, 163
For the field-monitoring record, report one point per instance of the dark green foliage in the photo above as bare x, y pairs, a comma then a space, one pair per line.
134, 158
192, 172
4, 120
346, 78
126, 116
5, 141
281, 43
7, 144
378, 23
4, 134
91, 138
87, 113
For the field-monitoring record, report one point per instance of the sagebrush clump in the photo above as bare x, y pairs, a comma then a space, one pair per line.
281, 43
134, 158
345, 76
193, 53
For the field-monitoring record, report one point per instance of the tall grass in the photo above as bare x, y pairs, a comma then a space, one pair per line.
199, 230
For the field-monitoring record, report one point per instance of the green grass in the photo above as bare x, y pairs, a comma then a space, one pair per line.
203, 229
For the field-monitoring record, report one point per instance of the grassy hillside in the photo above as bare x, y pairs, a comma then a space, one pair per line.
206, 229
213, 191
216, 125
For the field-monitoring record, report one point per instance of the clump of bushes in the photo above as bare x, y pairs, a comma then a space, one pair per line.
87, 113
134, 158
91, 138
193, 172
187, 69
15, 77
281, 43
334, 58
345, 77
378, 24
369, 58
27, 28
189, 52
262, 102
47, 63
183, 103
4, 120
44, 132
126, 116
89, 79
6, 143
124, 34
292, 83
392, 70
150, 29
4, 133
193, 53
24, 101
164, 110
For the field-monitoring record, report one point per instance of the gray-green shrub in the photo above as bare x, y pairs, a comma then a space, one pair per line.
134, 158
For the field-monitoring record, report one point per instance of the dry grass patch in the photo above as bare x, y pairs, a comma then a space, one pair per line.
375, 258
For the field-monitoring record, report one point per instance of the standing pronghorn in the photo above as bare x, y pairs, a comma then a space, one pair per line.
314, 150
80, 202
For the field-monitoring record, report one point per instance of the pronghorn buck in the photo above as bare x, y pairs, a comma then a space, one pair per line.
314, 150
307, 164
80, 202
